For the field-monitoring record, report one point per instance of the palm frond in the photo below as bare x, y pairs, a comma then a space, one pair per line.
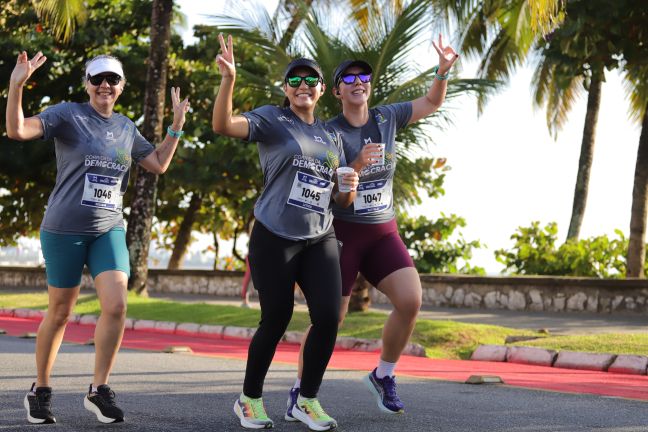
62, 16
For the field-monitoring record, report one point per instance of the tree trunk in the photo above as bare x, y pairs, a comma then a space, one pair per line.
216, 248
235, 253
184, 233
360, 301
138, 236
298, 11
586, 155
637, 244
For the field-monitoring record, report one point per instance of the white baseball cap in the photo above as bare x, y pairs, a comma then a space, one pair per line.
104, 64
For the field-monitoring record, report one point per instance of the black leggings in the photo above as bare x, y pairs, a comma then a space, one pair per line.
276, 264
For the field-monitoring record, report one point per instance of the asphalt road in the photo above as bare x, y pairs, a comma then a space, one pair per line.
181, 392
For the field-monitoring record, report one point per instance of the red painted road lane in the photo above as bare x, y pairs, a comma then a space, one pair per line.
536, 377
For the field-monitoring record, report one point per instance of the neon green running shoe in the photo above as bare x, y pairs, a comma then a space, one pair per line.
252, 413
310, 412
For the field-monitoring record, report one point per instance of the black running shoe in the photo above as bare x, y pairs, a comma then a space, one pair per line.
102, 403
38, 403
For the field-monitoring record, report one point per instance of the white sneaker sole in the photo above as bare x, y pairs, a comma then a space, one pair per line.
31, 419
246, 424
304, 418
96, 411
367, 382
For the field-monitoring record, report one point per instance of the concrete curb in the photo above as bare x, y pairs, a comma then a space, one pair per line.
629, 364
216, 331
492, 353
531, 355
586, 361
624, 364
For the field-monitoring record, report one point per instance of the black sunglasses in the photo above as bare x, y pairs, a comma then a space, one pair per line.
350, 78
111, 79
295, 81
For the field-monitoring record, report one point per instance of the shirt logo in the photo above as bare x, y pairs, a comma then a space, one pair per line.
380, 119
80, 117
318, 139
109, 136
367, 140
282, 118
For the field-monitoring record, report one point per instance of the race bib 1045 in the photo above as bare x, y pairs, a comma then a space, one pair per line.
311, 193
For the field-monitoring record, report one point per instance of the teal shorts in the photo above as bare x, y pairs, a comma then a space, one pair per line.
66, 254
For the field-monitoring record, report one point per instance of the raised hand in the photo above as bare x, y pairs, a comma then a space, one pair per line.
25, 67
225, 59
370, 154
447, 56
179, 108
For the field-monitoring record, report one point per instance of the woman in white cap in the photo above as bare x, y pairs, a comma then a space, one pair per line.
83, 222
293, 239
367, 229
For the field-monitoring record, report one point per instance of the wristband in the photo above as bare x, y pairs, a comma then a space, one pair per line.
174, 134
439, 76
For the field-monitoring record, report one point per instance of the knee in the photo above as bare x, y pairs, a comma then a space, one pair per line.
59, 316
409, 307
115, 310
327, 320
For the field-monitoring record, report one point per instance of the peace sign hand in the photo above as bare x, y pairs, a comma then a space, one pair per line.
25, 67
447, 56
225, 59
179, 108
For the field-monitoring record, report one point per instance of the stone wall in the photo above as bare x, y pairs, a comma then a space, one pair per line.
554, 294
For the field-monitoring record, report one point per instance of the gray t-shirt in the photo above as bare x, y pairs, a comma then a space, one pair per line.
93, 158
298, 161
373, 203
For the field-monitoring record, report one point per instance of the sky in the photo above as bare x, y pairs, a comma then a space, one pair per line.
506, 169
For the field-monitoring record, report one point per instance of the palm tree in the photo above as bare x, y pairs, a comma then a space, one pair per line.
61, 15
636, 75
138, 236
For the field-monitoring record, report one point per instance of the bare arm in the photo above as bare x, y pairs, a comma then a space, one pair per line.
222, 120
19, 127
159, 160
426, 105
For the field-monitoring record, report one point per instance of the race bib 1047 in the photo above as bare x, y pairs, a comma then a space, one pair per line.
372, 197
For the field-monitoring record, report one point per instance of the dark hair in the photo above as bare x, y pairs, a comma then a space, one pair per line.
286, 102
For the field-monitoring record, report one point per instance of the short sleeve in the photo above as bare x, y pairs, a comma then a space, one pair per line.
54, 119
402, 113
141, 147
260, 122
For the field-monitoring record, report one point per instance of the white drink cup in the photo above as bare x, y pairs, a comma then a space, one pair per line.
342, 185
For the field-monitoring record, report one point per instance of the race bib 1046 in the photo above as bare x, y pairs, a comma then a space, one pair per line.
311, 193
102, 191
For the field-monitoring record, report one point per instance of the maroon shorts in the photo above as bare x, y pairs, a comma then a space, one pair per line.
375, 250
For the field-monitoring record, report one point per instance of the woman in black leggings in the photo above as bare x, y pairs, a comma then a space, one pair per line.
293, 239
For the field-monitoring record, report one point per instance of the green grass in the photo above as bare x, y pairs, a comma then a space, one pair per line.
611, 343
441, 339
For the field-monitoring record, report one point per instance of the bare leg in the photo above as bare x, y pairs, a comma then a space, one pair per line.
403, 288
51, 330
112, 291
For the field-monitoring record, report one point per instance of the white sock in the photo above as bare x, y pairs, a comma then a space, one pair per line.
297, 383
94, 389
385, 369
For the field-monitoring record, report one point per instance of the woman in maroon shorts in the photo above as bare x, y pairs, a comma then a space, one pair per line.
367, 229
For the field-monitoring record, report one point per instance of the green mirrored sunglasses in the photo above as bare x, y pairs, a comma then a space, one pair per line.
295, 81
